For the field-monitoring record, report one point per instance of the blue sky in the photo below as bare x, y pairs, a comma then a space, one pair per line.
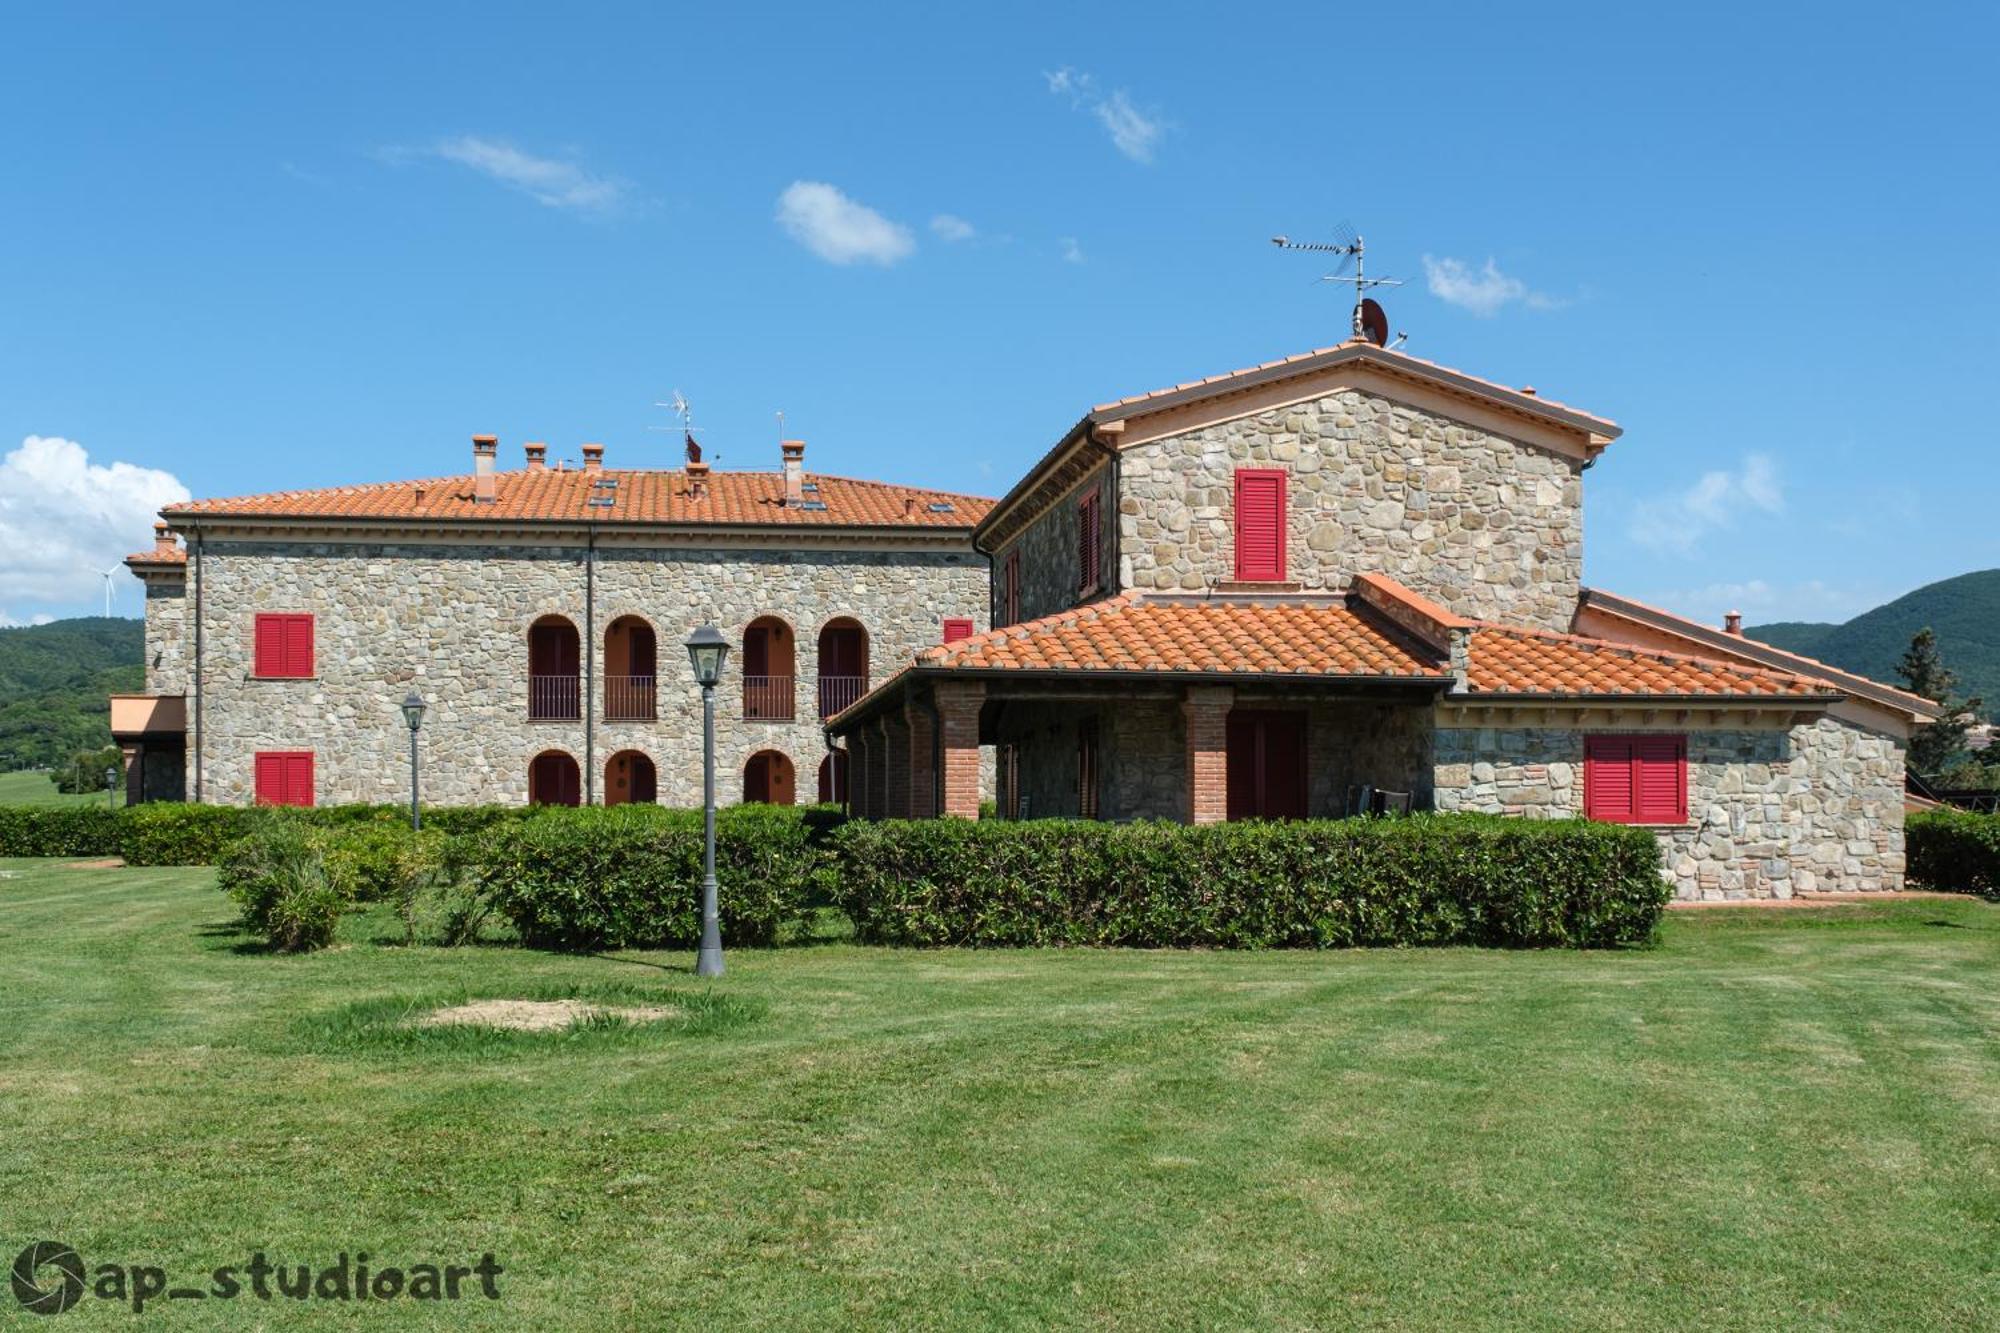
251, 249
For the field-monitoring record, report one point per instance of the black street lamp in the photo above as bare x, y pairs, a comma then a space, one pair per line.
413, 713
706, 651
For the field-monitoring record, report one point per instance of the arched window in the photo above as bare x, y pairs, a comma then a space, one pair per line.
843, 664
554, 779
554, 684
769, 777
631, 671
767, 670
629, 775
833, 779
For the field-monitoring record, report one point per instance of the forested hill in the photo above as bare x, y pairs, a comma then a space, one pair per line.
54, 680
1964, 612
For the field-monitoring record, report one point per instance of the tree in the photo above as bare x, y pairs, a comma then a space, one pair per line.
1937, 746
84, 773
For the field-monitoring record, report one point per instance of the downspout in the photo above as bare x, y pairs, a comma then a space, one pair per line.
197, 668
590, 668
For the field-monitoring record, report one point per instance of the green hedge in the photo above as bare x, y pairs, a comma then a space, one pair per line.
1955, 851
76, 830
630, 876
1428, 880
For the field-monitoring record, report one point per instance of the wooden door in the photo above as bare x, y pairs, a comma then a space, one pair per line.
1266, 764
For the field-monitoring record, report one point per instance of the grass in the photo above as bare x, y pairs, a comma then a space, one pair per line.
1775, 1120
32, 787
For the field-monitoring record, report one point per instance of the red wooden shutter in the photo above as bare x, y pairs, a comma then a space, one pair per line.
299, 646
1260, 524
270, 779
1607, 778
284, 777
1088, 531
269, 646
1659, 765
299, 778
283, 645
956, 629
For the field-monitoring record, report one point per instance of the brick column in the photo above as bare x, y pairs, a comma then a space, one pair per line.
922, 757
1206, 709
895, 767
958, 704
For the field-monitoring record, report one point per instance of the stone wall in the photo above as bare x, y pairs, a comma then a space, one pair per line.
451, 621
1772, 811
1489, 526
168, 646
1051, 573
1350, 744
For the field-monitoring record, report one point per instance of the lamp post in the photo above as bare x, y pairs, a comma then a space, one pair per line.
706, 651
413, 713
110, 782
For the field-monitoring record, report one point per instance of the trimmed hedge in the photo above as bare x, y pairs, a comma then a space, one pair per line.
1954, 850
630, 876
1426, 880
59, 830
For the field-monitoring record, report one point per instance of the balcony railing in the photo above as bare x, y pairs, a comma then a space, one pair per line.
837, 692
768, 698
630, 698
555, 698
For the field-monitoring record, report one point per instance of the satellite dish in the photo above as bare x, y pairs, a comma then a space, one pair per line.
1374, 323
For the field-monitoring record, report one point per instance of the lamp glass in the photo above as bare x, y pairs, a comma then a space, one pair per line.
706, 651
413, 711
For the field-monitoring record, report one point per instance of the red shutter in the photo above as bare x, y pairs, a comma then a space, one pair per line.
299, 646
284, 777
283, 645
270, 646
270, 779
1260, 525
956, 629
1660, 767
1088, 531
1607, 778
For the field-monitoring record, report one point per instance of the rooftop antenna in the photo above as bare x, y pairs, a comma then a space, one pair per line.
1370, 324
681, 408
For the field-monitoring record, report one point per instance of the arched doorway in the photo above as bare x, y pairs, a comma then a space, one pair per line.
767, 670
833, 779
631, 671
554, 779
629, 775
554, 658
843, 664
769, 777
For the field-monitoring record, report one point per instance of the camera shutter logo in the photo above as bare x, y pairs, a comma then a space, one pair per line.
48, 1262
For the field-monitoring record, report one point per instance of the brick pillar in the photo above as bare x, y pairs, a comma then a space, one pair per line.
1206, 709
922, 758
895, 767
958, 704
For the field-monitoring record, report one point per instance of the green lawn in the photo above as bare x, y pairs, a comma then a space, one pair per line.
33, 788
1777, 1120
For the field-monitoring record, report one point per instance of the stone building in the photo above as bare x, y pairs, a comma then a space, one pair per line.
1352, 581
540, 613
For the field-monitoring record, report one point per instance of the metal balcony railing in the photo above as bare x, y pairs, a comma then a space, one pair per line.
768, 698
837, 692
631, 698
555, 698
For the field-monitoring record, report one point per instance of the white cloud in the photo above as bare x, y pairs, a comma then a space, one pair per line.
8, 622
552, 181
951, 227
1072, 253
839, 229
1133, 132
1482, 291
64, 520
1762, 602
1677, 522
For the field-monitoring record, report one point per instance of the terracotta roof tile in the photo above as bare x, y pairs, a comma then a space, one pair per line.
1503, 659
178, 556
637, 496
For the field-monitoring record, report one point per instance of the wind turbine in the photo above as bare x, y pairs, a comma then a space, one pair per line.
107, 589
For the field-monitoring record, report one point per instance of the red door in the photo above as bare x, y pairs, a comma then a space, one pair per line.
1266, 764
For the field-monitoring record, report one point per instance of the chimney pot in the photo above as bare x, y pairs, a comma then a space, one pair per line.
794, 452
163, 539
593, 457
697, 475
538, 455
1528, 389
485, 452
1732, 623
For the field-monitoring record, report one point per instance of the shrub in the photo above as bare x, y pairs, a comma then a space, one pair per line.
1429, 880
1954, 850
181, 834
286, 882
74, 830
630, 876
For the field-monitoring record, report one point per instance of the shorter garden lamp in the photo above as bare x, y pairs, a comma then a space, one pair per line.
706, 651
413, 713
110, 784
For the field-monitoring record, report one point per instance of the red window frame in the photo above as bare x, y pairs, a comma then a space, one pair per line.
284, 777
1011, 587
282, 645
1089, 535
1635, 779
956, 628
1259, 525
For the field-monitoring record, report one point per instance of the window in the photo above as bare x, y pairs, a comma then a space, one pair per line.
1260, 525
1086, 770
1635, 779
284, 777
284, 646
1089, 529
1010, 588
956, 629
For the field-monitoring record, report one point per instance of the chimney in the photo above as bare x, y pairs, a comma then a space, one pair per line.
697, 479
1528, 389
593, 457
795, 470
538, 456
1732, 623
163, 540
485, 452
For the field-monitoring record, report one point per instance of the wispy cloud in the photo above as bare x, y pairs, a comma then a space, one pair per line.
838, 229
1678, 521
1072, 252
950, 227
1761, 601
64, 520
1133, 132
1483, 291
552, 181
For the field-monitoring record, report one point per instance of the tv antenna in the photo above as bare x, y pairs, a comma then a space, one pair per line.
1370, 324
681, 408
